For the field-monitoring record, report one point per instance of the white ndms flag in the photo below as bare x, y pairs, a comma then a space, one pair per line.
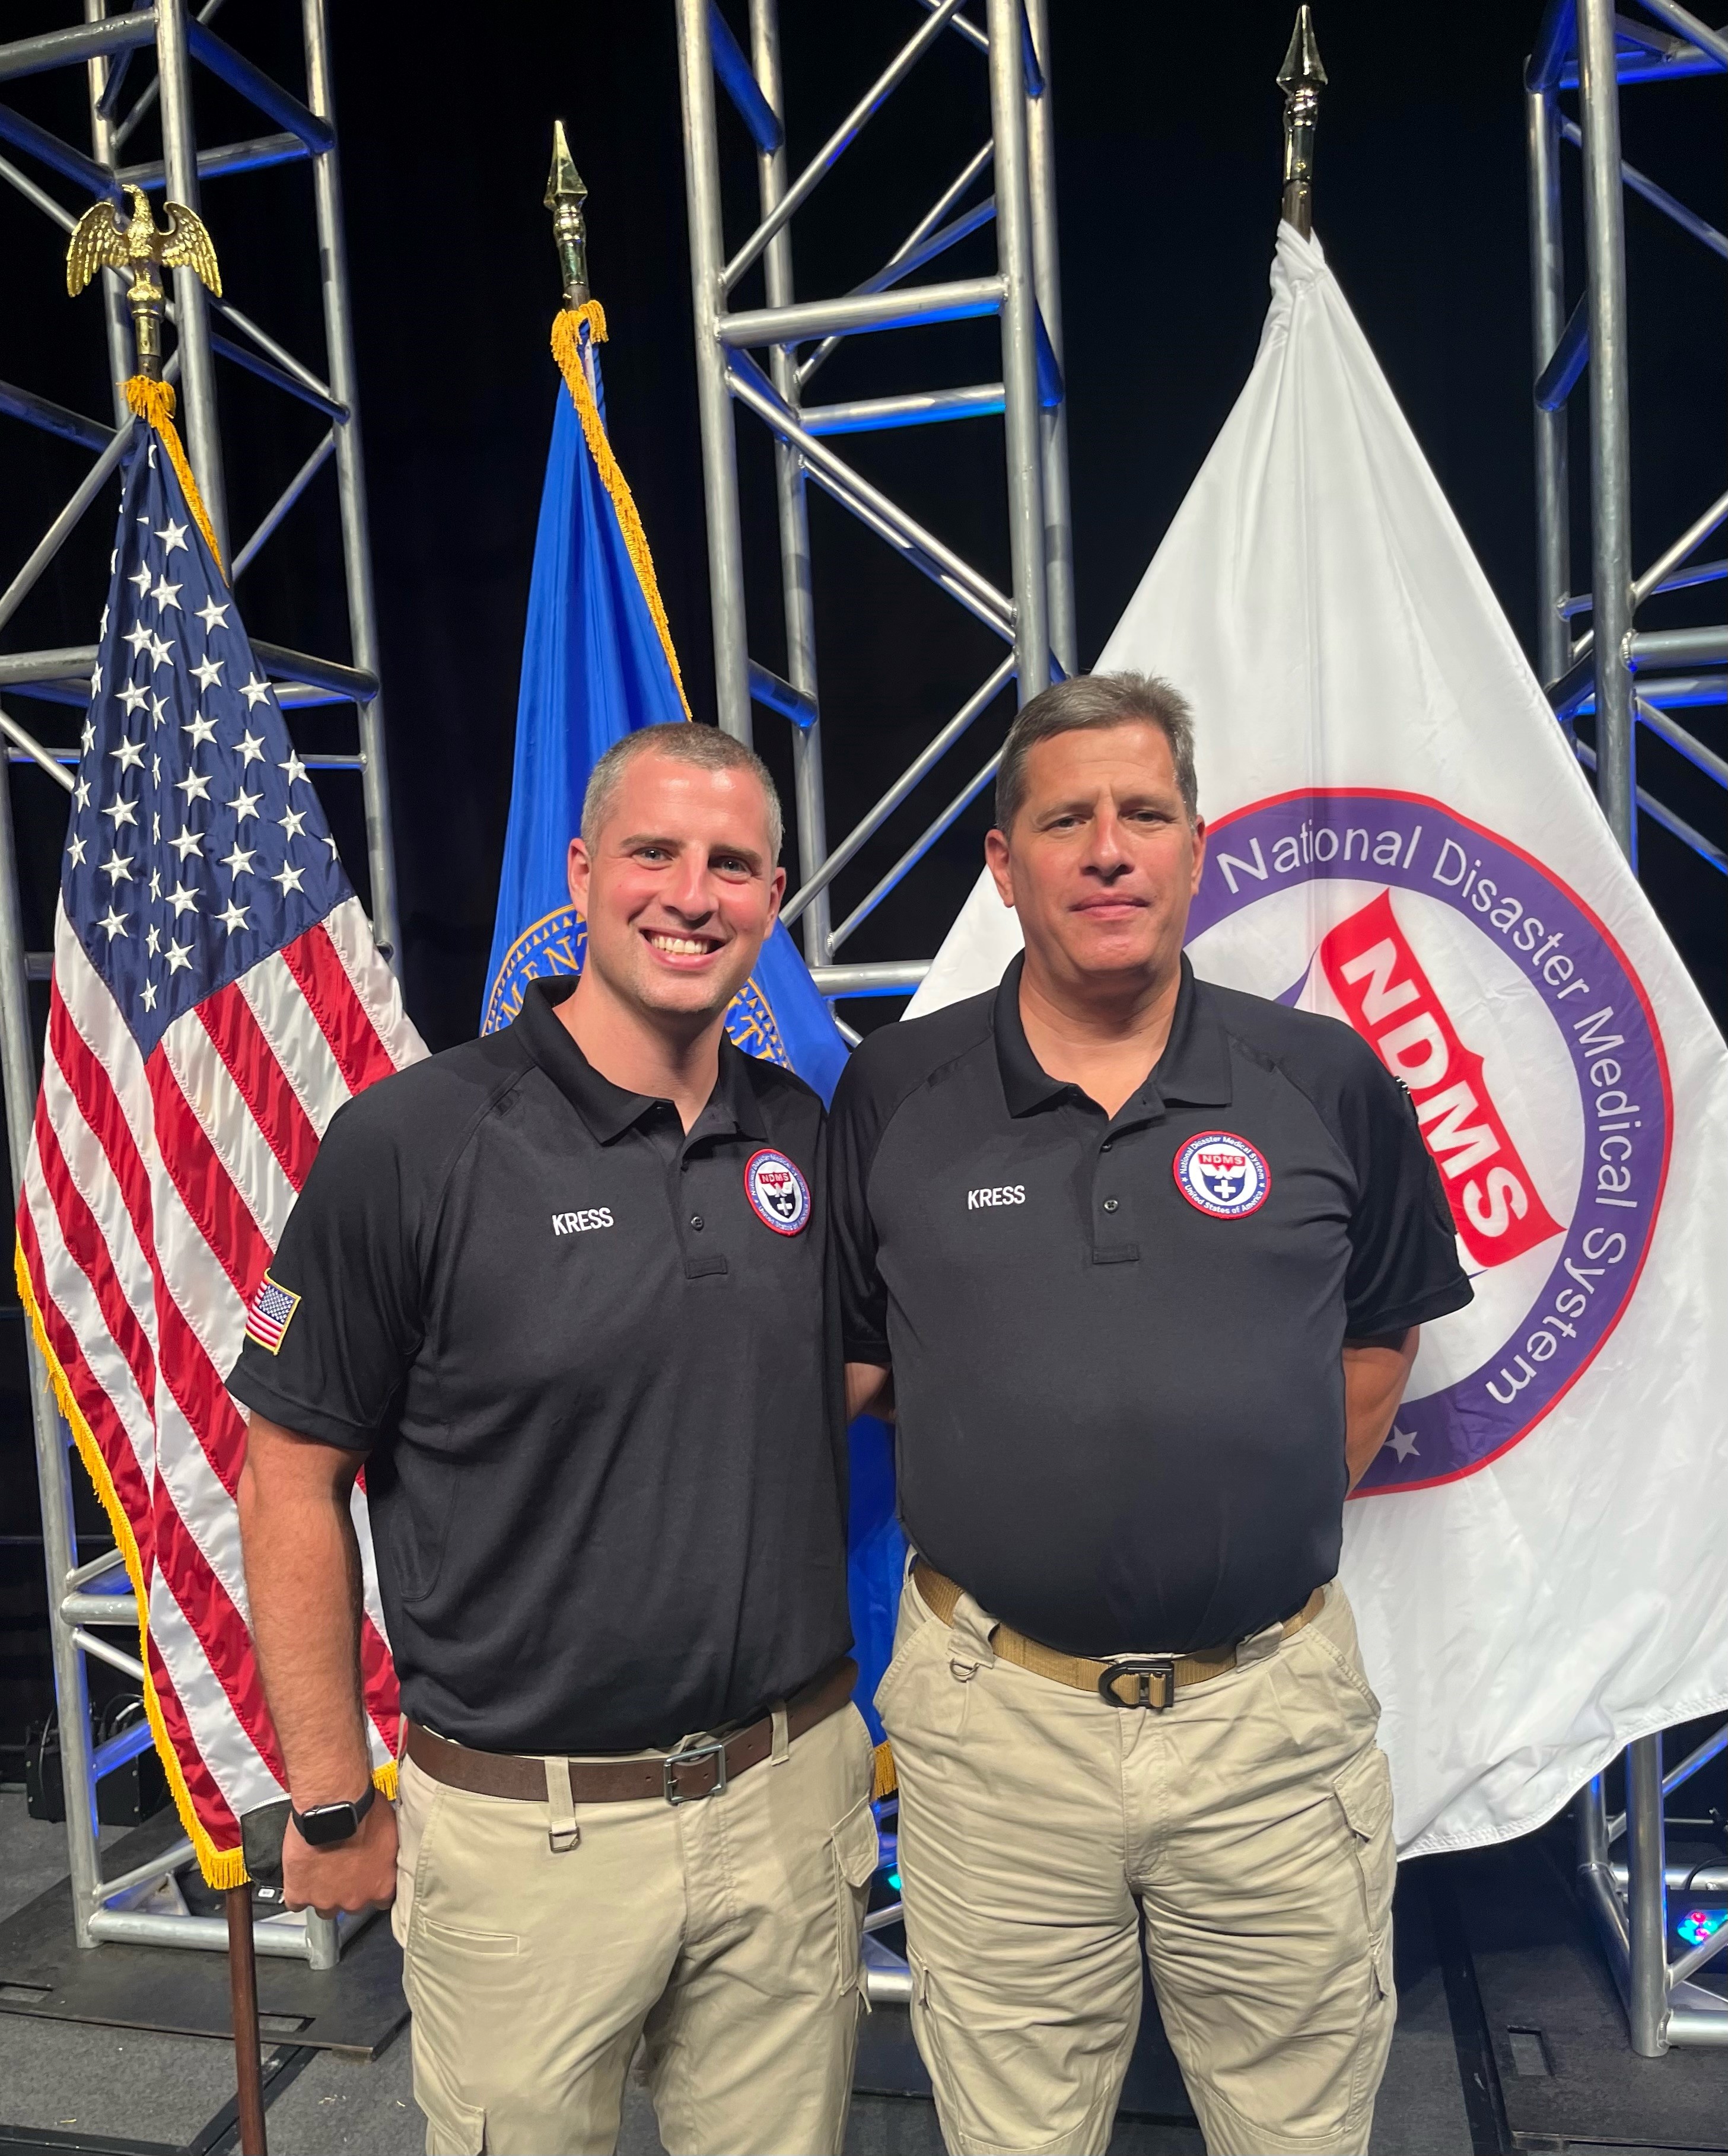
1400, 837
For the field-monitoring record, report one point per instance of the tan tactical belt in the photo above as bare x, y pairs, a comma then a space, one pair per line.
1148, 1680
680, 1778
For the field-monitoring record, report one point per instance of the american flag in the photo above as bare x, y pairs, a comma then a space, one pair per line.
217, 996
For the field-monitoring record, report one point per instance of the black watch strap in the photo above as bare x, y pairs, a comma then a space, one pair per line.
321, 1826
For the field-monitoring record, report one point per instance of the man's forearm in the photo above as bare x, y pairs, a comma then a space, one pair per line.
869, 1390
303, 1579
1375, 1372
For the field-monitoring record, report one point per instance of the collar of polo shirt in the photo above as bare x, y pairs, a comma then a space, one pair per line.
1194, 1068
607, 1110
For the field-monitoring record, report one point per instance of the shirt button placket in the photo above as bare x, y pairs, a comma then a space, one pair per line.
1112, 1237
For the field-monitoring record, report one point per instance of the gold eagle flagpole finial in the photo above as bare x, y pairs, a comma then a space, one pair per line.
102, 239
1301, 78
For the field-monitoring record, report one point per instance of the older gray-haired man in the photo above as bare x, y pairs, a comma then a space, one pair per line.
1147, 1260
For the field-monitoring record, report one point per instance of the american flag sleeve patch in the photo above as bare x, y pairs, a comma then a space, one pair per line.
268, 1313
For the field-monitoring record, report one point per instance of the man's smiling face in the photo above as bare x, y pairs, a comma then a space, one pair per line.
678, 887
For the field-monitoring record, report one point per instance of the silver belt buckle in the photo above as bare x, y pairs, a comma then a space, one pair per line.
674, 1760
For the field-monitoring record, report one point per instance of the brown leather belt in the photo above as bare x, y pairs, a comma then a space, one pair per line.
680, 1778
1148, 1680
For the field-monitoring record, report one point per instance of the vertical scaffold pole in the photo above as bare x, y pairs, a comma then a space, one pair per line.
1020, 350
198, 366
117, 318
1647, 1899
53, 1465
1647, 2003
1053, 425
791, 501
1547, 320
1610, 421
351, 487
707, 262
53, 1475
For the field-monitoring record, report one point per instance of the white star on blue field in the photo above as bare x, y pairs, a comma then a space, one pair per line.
196, 845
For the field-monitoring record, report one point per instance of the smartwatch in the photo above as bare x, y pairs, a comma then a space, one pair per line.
321, 1826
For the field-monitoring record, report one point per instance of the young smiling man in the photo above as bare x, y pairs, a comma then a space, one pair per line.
1146, 1258
561, 1292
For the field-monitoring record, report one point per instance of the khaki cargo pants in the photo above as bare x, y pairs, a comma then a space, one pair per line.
723, 1934
1246, 1831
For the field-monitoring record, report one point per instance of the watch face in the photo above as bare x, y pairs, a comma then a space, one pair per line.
327, 1823
324, 1824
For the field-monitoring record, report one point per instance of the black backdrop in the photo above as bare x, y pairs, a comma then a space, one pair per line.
1168, 144
1168, 141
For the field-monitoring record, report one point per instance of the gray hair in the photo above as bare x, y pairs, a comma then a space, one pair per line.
1093, 702
686, 741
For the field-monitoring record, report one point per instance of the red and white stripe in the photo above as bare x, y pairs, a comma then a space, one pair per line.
155, 1191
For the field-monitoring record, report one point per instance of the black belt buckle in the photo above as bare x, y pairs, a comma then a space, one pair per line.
674, 1760
1156, 1689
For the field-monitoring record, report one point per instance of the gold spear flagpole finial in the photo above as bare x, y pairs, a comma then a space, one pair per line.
1301, 78
102, 240
565, 194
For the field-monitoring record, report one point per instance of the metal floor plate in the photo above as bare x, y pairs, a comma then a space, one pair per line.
1568, 2074
355, 2009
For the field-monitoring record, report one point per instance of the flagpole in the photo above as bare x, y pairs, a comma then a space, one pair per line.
100, 240
1301, 78
243, 1989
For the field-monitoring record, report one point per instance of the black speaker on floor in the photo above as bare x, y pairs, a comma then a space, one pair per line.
134, 1792
44, 1796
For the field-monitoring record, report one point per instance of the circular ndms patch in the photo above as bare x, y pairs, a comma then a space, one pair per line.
779, 1195
1221, 1174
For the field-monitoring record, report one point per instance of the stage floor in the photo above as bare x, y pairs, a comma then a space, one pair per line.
1486, 1945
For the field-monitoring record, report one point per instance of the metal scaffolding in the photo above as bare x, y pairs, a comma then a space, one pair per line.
84, 1607
1035, 620
1628, 677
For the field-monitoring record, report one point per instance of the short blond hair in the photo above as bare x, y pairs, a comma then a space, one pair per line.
686, 741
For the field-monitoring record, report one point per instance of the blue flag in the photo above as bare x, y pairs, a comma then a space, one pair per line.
598, 662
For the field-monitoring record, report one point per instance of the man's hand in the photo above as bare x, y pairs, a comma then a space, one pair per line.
348, 1875
303, 1576
1375, 1372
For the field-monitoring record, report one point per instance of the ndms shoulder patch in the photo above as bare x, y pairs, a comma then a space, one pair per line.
779, 1195
269, 1313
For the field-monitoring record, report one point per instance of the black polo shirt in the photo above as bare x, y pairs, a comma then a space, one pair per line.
1116, 1350
586, 1357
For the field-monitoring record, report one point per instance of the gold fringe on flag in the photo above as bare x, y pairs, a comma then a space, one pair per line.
154, 403
888, 1779
221, 1867
567, 349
